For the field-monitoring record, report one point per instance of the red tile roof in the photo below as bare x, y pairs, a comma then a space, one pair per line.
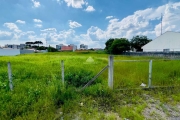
66, 48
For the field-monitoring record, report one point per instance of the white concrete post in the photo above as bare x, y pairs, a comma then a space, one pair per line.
10, 76
62, 70
150, 73
110, 72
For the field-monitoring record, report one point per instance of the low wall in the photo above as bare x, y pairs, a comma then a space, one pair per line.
156, 54
9, 52
26, 51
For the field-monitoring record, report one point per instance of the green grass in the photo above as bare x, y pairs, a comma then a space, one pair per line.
39, 94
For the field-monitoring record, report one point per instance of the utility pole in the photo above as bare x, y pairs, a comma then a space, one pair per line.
161, 22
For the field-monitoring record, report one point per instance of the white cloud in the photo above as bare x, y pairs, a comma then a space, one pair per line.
36, 4
12, 27
96, 33
109, 17
75, 3
5, 35
21, 22
59, 1
49, 30
141, 22
37, 20
38, 25
74, 24
89, 9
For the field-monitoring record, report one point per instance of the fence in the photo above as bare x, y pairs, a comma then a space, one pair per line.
111, 70
162, 72
172, 54
153, 72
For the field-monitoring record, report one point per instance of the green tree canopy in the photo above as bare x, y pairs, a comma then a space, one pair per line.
108, 45
138, 41
120, 45
117, 46
38, 42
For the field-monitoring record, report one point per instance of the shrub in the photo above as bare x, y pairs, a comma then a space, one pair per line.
79, 78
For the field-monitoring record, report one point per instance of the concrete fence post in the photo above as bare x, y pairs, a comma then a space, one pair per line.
10, 76
150, 74
62, 71
110, 72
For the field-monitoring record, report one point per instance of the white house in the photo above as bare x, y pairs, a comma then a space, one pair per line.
167, 42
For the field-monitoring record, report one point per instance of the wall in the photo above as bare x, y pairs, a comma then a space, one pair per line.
9, 52
26, 51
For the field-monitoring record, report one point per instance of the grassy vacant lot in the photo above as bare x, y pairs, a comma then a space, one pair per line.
38, 92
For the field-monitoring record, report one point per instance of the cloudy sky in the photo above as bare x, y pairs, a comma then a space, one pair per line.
89, 22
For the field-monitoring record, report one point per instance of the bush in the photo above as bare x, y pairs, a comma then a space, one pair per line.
79, 78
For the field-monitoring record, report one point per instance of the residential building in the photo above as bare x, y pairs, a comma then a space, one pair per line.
167, 42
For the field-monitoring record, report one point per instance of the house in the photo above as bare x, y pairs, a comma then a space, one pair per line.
167, 42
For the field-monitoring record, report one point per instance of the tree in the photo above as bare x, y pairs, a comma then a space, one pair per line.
38, 42
41, 48
138, 41
52, 49
28, 44
120, 45
108, 45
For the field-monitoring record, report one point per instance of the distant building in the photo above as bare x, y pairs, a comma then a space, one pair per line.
13, 46
67, 48
84, 47
62, 47
58, 47
74, 47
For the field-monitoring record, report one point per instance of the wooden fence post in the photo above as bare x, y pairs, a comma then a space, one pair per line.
150, 73
10, 76
62, 71
110, 72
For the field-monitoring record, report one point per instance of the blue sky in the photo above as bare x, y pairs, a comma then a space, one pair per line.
90, 22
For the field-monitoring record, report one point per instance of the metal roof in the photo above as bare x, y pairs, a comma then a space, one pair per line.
168, 40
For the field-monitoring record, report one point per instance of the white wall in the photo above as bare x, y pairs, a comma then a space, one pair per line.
168, 40
26, 51
9, 52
